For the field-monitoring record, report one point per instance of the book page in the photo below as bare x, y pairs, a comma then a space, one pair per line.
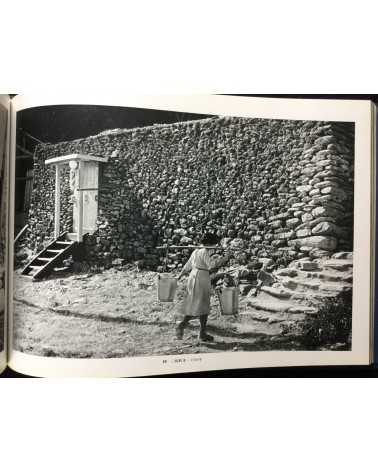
374, 329
4, 114
165, 234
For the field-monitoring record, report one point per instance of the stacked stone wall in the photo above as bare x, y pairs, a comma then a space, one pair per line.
272, 188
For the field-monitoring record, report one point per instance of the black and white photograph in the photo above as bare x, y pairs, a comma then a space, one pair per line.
3, 207
143, 232
188, 236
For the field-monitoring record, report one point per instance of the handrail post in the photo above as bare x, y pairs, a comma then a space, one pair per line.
80, 206
57, 202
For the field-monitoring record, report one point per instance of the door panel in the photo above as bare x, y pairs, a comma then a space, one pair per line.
88, 191
89, 181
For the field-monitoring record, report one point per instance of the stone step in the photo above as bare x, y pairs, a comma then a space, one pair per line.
316, 285
301, 289
251, 326
310, 279
308, 266
338, 264
280, 292
327, 275
268, 305
274, 318
314, 297
306, 297
288, 272
343, 255
299, 283
279, 306
262, 316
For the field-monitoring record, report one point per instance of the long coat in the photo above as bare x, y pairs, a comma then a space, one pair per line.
197, 300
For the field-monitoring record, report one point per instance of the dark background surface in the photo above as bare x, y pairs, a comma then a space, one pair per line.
277, 372
53, 124
292, 372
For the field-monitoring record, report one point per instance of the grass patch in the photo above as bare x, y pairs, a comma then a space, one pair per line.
330, 328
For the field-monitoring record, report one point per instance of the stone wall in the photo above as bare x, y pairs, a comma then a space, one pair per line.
279, 189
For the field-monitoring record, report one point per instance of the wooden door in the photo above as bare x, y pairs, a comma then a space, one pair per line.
85, 206
89, 190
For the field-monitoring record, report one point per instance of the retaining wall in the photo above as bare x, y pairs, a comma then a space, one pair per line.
272, 188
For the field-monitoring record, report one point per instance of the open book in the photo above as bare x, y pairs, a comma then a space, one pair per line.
146, 235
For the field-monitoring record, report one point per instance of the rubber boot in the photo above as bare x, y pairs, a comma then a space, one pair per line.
181, 327
203, 336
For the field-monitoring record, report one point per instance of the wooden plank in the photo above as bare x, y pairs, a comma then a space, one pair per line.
20, 233
75, 157
189, 247
46, 269
33, 138
217, 248
36, 257
86, 189
40, 254
25, 151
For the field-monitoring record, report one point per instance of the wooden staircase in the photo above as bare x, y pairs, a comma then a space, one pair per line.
50, 258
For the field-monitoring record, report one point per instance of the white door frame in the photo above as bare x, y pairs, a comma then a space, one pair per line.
58, 162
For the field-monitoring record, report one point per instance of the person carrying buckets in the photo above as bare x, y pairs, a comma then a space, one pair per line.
197, 301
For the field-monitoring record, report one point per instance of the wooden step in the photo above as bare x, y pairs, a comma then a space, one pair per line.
53, 260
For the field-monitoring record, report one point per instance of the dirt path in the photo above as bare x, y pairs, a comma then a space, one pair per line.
115, 314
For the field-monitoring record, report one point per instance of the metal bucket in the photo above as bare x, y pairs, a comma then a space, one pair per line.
167, 287
229, 300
